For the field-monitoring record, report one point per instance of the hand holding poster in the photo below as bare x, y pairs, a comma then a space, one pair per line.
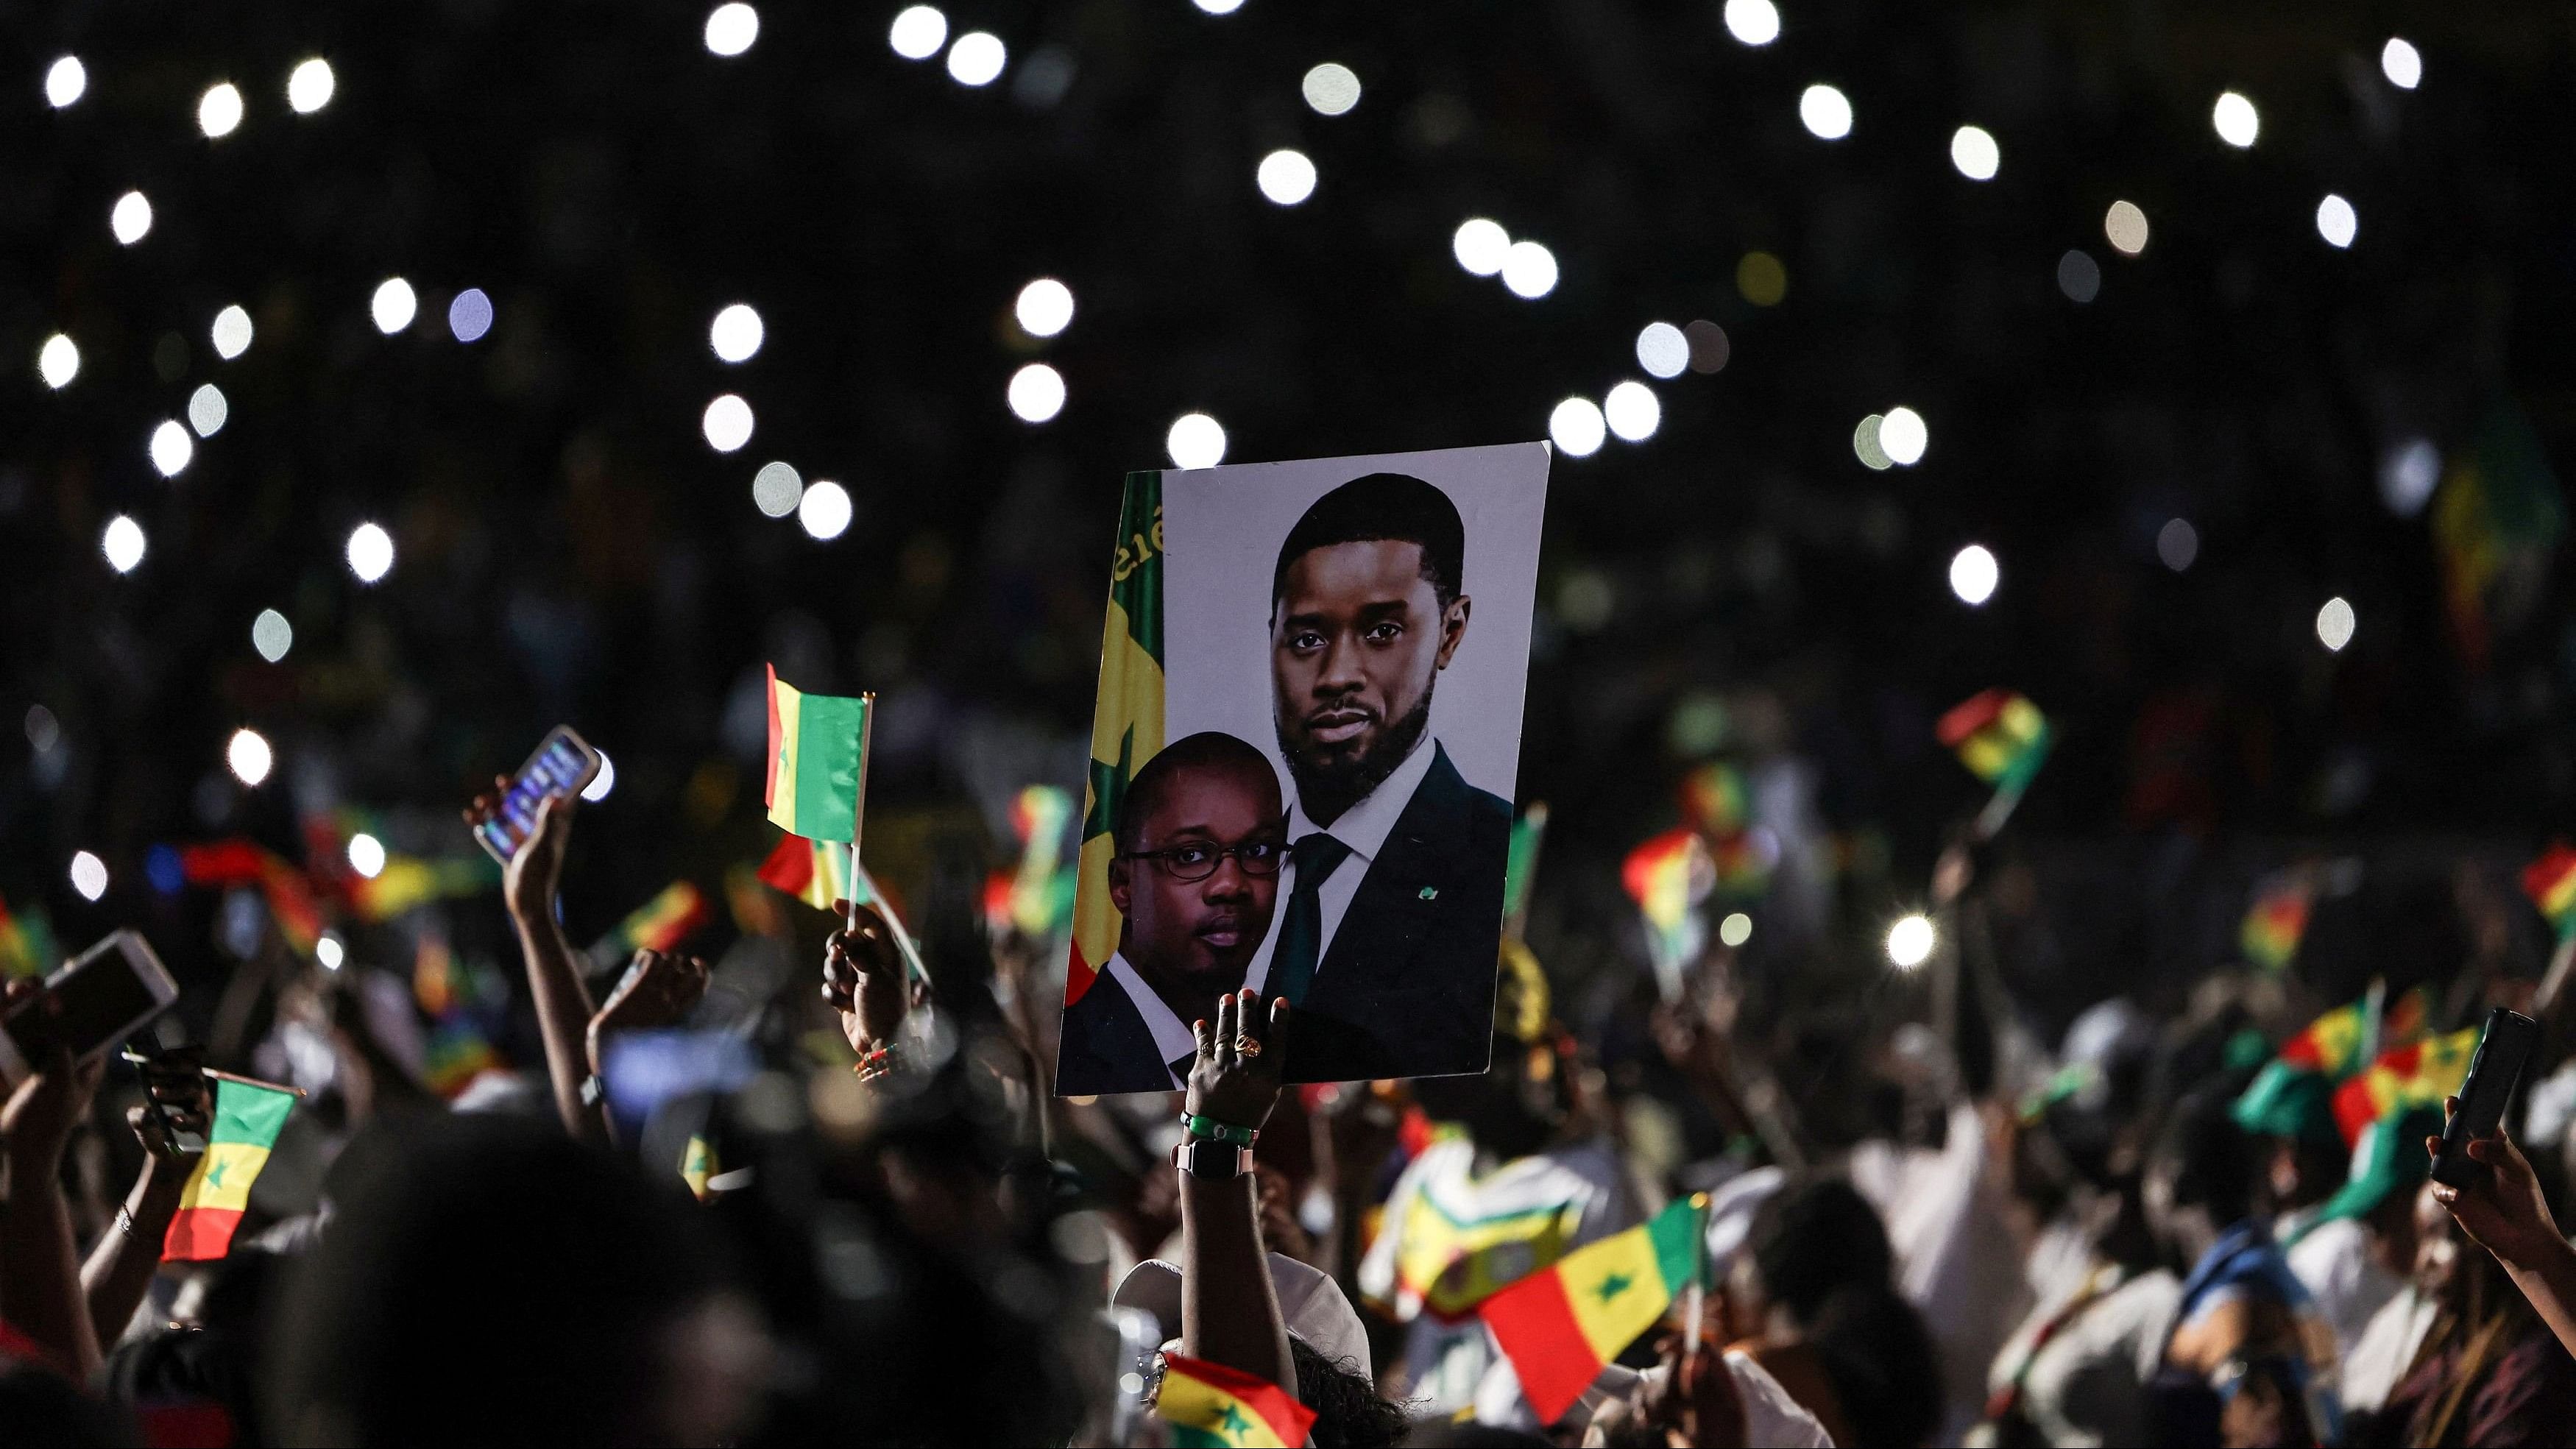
1337, 652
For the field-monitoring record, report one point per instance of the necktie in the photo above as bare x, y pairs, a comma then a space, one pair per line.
1301, 938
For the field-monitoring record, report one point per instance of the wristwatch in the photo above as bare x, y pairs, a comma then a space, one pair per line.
1200, 1157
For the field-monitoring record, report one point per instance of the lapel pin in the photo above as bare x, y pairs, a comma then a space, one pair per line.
1431, 893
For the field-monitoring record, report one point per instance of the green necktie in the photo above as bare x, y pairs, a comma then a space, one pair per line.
1301, 939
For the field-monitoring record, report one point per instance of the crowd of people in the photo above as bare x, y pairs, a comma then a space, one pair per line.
729, 1209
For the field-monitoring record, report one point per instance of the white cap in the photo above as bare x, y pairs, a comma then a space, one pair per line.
1311, 1302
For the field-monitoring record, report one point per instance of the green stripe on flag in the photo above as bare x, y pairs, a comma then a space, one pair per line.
244, 1113
829, 729
1676, 1232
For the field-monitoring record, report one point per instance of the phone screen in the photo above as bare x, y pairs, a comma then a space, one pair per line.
557, 769
102, 995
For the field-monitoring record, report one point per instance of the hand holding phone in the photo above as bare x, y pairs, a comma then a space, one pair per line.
2502, 1049
178, 1105
563, 765
101, 997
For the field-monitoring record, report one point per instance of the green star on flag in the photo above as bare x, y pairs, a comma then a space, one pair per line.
1614, 1285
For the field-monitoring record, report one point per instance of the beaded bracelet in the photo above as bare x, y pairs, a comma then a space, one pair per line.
876, 1064
1213, 1130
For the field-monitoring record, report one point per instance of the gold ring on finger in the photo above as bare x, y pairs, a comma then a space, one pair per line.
1247, 1046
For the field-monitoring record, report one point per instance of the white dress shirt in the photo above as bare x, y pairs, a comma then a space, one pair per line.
1172, 1036
1364, 828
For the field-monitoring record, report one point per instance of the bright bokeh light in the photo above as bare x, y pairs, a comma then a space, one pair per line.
330, 952
1286, 177
1974, 152
1753, 22
918, 32
1218, 7
2177, 544
736, 333
393, 306
58, 361
824, 511
1866, 447
469, 316
2399, 60
2335, 623
1632, 411
1974, 574
371, 552
122, 543
1735, 930
208, 410
366, 855
171, 448
1195, 441
1331, 89
132, 218
2235, 120
732, 28
2336, 221
65, 81
1036, 393
1904, 436
271, 635
249, 756
89, 875
776, 489
977, 58
2124, 226
1909, 942
1577, 427
310, 85
219, 111
1529, 270
1662, 350
603, 782
1044, 308
231, 333
1480, 245
727, 424
1826, 112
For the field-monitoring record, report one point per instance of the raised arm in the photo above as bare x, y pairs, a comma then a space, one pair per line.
563, 1004
122, 1262
40, 1290
1229, 1310
2508, 1217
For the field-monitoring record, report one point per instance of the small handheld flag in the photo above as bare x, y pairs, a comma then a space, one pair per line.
1668, 877
248, 1117
1211, 1405
2551, 883
26, 943
1561, 1325
2003, 739
2277, 921
818, 761
1520, 864
2419, 1074
659, 924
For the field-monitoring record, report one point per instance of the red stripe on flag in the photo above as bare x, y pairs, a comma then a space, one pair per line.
200, 1233
1535, 1325
1970, 716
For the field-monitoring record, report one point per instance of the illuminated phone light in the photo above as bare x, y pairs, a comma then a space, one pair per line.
605, 781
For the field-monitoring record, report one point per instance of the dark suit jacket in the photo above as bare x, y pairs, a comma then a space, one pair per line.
1406, 986
1106, 1046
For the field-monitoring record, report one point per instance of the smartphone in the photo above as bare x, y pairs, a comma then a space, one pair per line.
98, 999
563, 764
2502, 1049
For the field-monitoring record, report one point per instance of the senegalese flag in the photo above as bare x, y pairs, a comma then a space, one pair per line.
247, 1121
1668, 877
26, 943
408, 881
1446, 1264
1211, 1405
290, 897
1562, 1325
1126, 721
2000, 736
818, 761
697, 1164
2334, 1043
814, 873
1520, 864
1714, 799
2551, 883
659, 924
2418, 1074
2278, 919
1041, 891
456, 1054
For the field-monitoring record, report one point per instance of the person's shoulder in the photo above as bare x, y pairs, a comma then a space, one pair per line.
1099, 1036
1771, 1416
1485, 810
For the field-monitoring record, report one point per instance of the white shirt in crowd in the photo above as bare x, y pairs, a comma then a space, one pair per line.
2333, 1260
2376, 1362
1364, 828
2087, 1385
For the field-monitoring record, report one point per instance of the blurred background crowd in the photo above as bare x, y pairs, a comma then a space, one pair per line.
384, 389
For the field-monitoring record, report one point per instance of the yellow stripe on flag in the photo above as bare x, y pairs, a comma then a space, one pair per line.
788, 701
223, 1176
1616, 1289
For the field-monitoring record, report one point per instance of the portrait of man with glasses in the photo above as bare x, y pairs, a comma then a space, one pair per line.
1200, 838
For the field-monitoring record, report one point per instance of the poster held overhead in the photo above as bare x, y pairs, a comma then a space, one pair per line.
1336, 651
